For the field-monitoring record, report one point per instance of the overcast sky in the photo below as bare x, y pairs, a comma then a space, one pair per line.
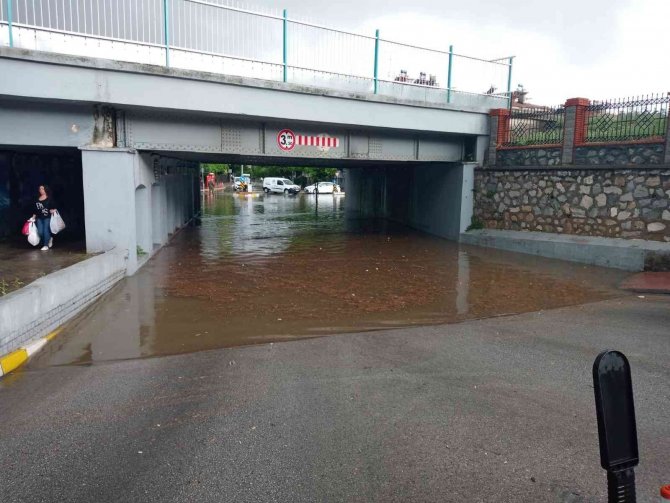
566, 48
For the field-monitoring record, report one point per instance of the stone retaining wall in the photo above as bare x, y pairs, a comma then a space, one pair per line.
626, 203
651, 153
548, 156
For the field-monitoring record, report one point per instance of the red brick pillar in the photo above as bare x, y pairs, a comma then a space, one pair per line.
574, 128
499, 131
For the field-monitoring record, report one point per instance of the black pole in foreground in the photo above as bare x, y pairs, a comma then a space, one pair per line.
617, 432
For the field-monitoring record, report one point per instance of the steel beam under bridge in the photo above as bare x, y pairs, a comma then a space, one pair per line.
262, 142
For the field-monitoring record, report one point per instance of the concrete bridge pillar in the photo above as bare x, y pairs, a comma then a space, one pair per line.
133, 202
109, 201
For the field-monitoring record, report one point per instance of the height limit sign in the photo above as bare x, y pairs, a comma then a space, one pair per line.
286, 139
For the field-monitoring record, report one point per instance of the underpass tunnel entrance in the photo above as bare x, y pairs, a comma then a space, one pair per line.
22, 171
136, 200
434, 197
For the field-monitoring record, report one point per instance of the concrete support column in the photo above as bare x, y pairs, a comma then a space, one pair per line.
109, 202
165, 226
493, 141
157, 215
573, 127
482, 145
143, 224
467, 195
352, 188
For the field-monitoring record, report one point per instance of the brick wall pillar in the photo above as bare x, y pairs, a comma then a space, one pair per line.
573, 128
499, 131
666, 156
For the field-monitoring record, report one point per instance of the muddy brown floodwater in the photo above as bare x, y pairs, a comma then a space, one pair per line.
277, 268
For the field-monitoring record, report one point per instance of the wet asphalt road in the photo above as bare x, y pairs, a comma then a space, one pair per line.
490, 410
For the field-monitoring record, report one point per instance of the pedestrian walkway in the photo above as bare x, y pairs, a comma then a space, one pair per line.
21, 264
648, 282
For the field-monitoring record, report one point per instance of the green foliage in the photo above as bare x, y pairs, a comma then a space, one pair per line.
215, 168
280, 171
300, 175
319, 174
532, 131
475, 223
600, 127
6, 287
625, 126
140, 251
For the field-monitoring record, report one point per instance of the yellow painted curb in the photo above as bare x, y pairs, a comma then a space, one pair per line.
53, 334
15, 359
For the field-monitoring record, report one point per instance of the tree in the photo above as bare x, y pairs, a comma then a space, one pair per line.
215, 168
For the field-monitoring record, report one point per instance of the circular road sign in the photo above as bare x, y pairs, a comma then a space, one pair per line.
286, 139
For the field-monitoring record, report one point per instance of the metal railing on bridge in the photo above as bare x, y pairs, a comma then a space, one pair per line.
212, 36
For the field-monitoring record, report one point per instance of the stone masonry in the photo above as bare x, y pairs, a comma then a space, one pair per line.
620, 154
529, 157
626, 203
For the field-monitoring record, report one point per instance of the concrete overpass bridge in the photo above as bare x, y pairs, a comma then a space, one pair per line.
139, 131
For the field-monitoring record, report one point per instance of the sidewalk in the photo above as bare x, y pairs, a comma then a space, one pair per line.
21, 264
648, 282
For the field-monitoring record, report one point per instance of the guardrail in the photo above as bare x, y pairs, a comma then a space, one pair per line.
209, 35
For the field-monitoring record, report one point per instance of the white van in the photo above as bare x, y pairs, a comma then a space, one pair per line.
279, 185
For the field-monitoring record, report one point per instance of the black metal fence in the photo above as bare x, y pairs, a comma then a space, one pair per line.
627, 119
535, 126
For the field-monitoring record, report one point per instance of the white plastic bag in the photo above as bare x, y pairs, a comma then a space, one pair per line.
56, 223
33, 237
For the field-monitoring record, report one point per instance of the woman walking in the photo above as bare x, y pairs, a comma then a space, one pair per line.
45, 207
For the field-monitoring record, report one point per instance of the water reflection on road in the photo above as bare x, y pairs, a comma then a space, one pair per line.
276, 268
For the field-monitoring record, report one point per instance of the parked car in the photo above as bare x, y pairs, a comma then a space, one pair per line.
279, 185
324, 188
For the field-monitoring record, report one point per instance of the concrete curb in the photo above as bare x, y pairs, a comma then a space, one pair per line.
626, 254
12, 361
36, 310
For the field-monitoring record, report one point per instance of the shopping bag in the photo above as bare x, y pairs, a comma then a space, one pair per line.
56, 225
26, 228
33, 237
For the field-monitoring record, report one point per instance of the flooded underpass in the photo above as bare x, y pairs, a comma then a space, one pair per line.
274, 268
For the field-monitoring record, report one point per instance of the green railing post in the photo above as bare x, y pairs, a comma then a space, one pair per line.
166, 28
376, 60
451, 59
509, 81
285, 46
9, 22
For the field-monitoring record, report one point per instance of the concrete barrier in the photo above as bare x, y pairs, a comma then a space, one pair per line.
626, 254
42, 306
